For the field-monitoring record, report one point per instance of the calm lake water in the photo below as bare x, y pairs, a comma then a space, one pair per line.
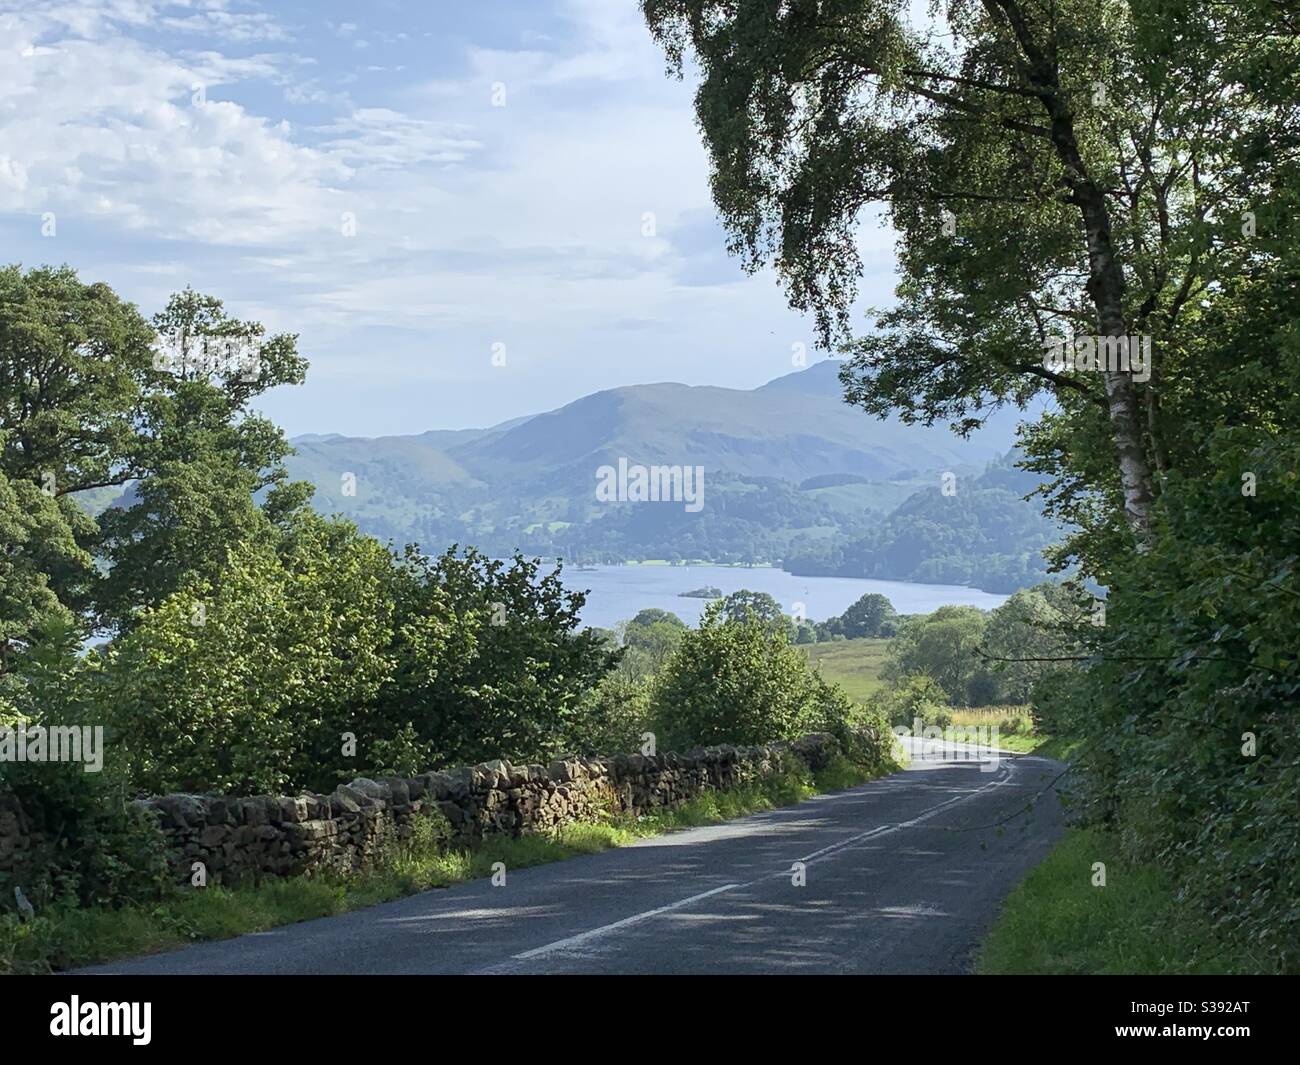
618, 592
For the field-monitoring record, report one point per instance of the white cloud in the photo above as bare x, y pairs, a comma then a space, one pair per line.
380, 137
230, 26
109, 126
472, 221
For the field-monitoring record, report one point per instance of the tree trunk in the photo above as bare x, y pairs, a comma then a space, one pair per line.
1105, 278
1106, 288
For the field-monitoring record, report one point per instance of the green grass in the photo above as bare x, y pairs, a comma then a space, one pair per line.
1008, 718
71, 937
854, 665
1056, 921
1014, 724
1062, 748
1016, 743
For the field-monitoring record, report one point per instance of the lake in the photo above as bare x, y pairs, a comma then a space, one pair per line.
618, 592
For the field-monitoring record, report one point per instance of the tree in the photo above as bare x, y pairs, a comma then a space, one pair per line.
75, 364
200, 456
649, 639
757, 606
93, 397
653, 615
38, 552
943, 646
1032, 636
734, 681
1054, 170
872, 615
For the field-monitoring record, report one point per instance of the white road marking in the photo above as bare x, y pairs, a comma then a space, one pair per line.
572, 943
596, 933
884, 830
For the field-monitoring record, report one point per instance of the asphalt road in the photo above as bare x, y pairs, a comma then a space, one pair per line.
902, 875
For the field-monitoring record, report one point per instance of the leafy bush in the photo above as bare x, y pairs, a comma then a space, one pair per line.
734, 681
612, 718
93, 848
249, 685
324, 657
403, 754
917, 697
1192, 743
510, 679
863, 733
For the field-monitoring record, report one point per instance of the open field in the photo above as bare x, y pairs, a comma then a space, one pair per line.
852, 664
855, 666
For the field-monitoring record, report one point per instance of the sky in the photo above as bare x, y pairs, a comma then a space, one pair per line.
412, 187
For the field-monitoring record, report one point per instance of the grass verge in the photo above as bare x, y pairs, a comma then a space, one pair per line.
1015, 727
1017, 742
1057, 921
70, 937
1062, 748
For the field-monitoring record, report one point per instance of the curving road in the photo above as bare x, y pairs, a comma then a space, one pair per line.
902, 875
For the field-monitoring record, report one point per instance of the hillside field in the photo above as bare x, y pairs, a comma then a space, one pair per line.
852, 664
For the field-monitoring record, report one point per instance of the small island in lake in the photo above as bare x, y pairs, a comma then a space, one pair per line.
707, 592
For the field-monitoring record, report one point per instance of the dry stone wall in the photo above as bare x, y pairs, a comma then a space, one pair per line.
357, 823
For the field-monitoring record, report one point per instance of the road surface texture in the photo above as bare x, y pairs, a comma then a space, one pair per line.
901, 875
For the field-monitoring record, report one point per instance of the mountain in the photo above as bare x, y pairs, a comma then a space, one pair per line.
982, 534
791, 472
793, 428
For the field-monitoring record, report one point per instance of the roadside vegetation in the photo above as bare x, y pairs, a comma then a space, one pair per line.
1121, 244
1060, 920
71, 936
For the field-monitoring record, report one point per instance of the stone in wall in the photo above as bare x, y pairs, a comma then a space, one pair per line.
358, 823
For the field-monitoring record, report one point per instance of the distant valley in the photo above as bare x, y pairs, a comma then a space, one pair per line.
793, 476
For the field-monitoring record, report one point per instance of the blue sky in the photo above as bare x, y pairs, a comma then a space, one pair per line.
226, 145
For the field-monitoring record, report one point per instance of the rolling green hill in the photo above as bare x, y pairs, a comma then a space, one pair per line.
793, 428
790, 471
984, 535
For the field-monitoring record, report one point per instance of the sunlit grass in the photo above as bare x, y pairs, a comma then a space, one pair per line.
1059, 921
1008, 718
854, 665
1014, 725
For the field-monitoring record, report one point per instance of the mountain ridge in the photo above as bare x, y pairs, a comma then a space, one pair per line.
791, 472
793, 427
